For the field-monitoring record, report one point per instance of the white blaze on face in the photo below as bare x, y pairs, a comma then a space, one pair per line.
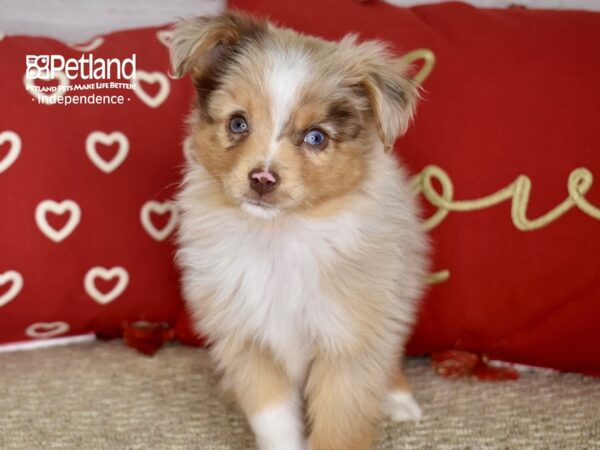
287, 74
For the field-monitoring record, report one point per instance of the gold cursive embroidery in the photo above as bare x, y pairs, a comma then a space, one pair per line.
428, 58
579, 183
438, 277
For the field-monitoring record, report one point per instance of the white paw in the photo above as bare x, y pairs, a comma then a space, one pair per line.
279, 427
401, 406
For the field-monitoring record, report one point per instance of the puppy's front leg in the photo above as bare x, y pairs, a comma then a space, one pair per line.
344, 402
267, 397
400, 404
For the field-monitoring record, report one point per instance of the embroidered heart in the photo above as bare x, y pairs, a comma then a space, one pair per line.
13, 151
95, 137
16, 284
49, 96
150, 207
153, 101
88, 46
89, 283
51, 206
46, 329
165, 37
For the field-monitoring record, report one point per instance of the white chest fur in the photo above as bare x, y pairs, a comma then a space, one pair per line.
265, 279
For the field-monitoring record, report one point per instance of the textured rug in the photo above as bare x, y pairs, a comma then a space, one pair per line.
106, 396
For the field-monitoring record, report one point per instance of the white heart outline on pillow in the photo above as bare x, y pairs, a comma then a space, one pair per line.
13, 152
152, 77
51, 329
165, 37
14, 290
63, 82
107, 139
89, 45
57, 208
89, 283
158, 208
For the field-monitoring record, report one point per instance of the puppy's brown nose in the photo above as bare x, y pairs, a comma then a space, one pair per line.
263, 181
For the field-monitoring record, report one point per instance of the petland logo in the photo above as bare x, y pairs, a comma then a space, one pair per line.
91, 73
45, 67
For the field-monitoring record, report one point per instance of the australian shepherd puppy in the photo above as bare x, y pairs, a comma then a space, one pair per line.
301, 249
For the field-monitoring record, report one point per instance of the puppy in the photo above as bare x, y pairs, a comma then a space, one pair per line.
300, 245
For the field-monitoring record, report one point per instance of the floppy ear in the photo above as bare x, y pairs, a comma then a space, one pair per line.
392, 94
200, 43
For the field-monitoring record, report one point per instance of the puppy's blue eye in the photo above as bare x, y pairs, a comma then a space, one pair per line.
314, 137
238, 125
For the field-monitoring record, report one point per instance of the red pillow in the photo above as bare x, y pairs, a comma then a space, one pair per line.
85, 191
510, 107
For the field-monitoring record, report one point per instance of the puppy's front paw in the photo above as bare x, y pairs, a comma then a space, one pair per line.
279, 427
401, 406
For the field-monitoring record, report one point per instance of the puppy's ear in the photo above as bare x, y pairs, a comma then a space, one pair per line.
200, 43
392, 94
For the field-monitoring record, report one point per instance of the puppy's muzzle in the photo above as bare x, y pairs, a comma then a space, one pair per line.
263, 181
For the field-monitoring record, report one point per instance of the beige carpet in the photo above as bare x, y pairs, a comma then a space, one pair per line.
106, 396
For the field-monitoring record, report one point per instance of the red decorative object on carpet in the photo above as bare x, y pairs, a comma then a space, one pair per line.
147, 337
460, 364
